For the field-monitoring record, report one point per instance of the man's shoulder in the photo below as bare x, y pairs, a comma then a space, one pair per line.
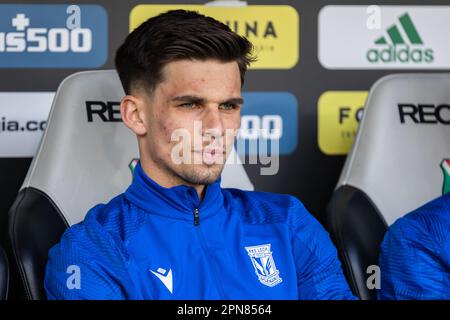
426, 227
265, 207
106, 225
91, 248
276, 200
436, 211
433, 218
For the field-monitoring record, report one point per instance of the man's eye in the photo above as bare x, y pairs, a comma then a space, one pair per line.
229, 106
188, 105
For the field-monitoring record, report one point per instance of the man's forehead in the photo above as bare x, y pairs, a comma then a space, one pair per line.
206, 81
196, 63
197, 72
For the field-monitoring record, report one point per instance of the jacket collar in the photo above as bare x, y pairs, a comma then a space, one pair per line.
177, 202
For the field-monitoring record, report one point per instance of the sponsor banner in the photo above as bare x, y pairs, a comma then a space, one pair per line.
23, 117
339, 114
269, 120
423, 113
53, 36
384, 37
273, 29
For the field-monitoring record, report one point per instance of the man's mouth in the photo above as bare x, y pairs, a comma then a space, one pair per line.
212, 155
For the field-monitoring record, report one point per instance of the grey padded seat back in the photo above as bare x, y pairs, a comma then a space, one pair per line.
83, 159
393, 167
398, 164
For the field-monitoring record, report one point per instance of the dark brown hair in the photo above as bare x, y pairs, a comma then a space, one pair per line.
177, 35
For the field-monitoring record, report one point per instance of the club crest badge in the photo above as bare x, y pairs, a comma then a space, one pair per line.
445, 165
133, 164
265, 268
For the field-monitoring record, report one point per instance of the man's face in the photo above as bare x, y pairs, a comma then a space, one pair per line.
191, 119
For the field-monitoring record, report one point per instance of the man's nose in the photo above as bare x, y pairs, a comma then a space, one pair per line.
212, 123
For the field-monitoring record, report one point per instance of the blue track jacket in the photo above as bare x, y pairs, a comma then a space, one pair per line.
415, 254
153, 242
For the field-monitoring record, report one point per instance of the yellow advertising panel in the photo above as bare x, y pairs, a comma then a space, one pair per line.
339, 114
273, 29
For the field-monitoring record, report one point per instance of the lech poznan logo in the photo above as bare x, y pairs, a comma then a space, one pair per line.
264, 264
273, 29
339, 114
445, 165
384, 37
52, 36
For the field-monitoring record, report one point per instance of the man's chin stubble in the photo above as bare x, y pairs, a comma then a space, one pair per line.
202, 176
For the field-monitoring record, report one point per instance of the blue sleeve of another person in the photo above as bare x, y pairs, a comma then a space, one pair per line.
415, 253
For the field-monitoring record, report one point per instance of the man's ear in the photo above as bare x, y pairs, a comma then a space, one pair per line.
131, 111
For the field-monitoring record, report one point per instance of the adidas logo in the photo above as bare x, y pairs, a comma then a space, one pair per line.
402, 43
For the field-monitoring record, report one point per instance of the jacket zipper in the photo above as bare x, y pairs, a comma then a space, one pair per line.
196, 217
205, 249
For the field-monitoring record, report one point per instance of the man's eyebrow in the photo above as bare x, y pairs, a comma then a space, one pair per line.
234, 101
200, 100
189, 98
